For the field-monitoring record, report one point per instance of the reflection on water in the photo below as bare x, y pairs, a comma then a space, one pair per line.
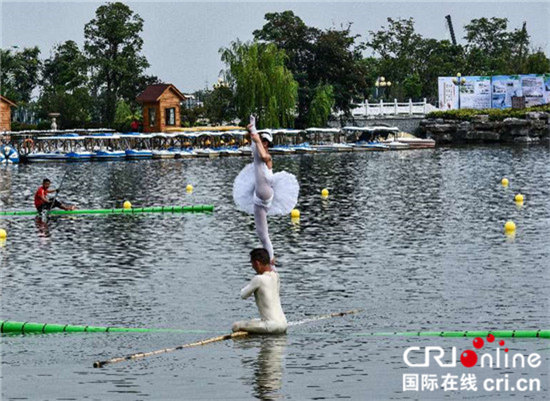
415, 238
267, 366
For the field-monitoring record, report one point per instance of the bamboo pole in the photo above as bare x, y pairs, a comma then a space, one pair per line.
139, 355
237, 334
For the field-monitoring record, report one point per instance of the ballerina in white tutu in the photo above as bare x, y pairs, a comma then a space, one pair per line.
258, 191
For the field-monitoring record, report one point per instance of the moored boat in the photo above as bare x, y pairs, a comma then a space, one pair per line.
370, 146
245, 150
303, 148
413, 141
104, 154
35, 157
207, 153
187, 153
8, 155
281, 150
80, 155
138, 153
163, 154
397, 145
233, 151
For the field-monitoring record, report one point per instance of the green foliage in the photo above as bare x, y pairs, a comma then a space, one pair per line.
66, 69
537, 63
113, 45
74, 108
219, 105
317, 57
321, 106
261, 82
412, 86
19, 74
64, 87
190, 117
491, 49
124, 116
494, 114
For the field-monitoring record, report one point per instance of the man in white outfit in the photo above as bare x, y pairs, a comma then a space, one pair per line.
265, 287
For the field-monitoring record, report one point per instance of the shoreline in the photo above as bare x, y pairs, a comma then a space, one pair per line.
534, 129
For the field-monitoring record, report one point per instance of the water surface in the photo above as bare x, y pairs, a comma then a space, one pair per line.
415, 238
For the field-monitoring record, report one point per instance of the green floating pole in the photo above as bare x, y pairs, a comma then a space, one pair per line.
10, 327
496, 333
134, 210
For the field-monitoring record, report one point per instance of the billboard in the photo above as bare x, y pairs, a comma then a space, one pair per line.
533, 89
504, 87
484, 92
448, 95
475, 93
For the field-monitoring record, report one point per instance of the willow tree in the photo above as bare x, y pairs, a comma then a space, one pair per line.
321, 106
261, 83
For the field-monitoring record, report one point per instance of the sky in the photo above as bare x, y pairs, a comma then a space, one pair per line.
182, 39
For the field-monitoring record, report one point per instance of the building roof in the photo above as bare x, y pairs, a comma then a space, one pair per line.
153, 92
5, 99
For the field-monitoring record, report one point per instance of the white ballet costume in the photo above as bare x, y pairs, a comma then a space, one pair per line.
265, 288
258, 191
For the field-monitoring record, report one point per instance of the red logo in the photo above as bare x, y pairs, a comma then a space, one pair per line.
468, 358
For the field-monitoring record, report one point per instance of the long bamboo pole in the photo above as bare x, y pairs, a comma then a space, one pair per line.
139, 355
237, 334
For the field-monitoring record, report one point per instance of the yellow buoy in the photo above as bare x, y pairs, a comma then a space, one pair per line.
127, 205
295, 214
189, 188
295, 220
324, 193
519, 198
3, 233
504, 182
510, 226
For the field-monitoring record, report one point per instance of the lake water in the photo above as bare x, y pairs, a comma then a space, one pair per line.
415, 238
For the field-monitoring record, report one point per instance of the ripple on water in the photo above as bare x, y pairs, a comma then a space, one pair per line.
414, 237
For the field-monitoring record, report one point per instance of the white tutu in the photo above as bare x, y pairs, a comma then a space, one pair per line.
285, 191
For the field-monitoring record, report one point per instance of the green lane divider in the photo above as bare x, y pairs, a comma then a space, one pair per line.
133, 210
11, 327
496, 333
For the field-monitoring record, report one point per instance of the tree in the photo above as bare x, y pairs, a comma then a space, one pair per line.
536, 63
321, 106
19, 74
74, 108
492, 49
338, 63
398, 48
436, 58
219, 105
64, 86
289, 33
261, 82
66, 69
315, 58
113, 45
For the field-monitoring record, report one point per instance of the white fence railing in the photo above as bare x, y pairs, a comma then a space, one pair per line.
394, 108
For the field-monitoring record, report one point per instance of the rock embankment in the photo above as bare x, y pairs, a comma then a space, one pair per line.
534, 128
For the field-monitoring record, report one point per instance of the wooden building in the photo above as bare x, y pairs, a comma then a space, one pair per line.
5, 113
161, 107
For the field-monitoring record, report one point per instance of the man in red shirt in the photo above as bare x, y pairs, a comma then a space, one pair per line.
41, 201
